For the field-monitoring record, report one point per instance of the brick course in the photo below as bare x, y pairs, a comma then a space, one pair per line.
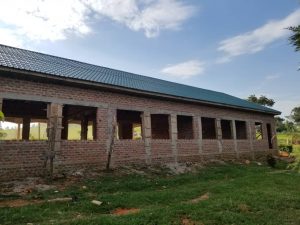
25, 158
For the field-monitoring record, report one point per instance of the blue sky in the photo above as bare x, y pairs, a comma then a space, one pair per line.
233, 46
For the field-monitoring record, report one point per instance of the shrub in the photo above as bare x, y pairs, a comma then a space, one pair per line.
286, 148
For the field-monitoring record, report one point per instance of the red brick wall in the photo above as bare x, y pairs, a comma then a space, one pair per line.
23, 158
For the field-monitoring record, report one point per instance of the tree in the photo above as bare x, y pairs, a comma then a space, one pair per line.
280, 125
295, 38
262, 100
295, 114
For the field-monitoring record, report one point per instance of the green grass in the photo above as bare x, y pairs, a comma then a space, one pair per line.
238, 194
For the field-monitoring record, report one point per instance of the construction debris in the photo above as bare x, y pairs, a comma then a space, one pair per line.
96, 202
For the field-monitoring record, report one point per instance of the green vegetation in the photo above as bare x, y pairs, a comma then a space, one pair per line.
235, 194
39, 132
295, 37
262, 100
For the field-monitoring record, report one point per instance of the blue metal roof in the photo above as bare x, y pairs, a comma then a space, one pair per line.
21, 59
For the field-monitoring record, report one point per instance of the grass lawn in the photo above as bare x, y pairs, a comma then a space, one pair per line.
233, 194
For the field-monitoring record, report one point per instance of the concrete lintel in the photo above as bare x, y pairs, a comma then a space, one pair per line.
7, 95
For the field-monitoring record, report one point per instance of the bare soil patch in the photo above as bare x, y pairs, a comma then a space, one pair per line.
123, 211
200, 198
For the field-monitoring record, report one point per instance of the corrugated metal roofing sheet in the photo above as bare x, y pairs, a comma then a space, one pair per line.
37, 62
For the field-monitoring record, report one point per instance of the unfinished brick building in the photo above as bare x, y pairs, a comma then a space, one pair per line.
144, 120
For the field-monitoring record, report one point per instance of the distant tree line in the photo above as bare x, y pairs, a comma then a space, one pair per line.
289, 124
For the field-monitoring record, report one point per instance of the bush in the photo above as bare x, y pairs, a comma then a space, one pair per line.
296, 139
286, 148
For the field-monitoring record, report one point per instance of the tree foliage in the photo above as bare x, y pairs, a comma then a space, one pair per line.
295, 115
262, 100
280, 125
295, 38
283, 125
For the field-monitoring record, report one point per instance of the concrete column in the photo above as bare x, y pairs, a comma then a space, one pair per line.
251, 137
146, 125
219, 135
111, 118
274, 136
84, 128
234, 139
26, 128
199, 137
54, 114
101, 125
173, 135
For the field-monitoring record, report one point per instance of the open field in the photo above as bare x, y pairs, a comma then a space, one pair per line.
222, 194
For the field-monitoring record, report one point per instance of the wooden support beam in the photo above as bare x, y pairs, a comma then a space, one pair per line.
26, 128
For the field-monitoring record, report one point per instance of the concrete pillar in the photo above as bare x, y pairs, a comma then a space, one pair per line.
251, 137
173, 135
234, 139
199, 137
54, 114
146, 125
111, 119
26, 128
84, 128
274, 136
219, 135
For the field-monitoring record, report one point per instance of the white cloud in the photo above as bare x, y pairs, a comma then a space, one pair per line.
9, 37
185, 70
38, 20
256, 40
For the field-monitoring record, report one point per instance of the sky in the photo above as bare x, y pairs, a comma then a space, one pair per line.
232, 46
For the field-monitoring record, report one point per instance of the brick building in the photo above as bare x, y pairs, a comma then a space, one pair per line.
144, 120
